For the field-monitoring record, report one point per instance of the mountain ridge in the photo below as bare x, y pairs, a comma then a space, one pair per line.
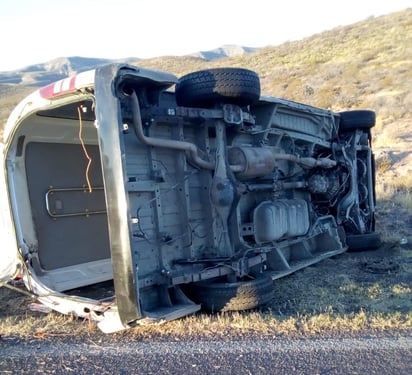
227, 50
44, 73
41, 74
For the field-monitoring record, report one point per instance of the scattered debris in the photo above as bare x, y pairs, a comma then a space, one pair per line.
384, 266
39, 307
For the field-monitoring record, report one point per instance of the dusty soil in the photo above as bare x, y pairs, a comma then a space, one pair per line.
378, 283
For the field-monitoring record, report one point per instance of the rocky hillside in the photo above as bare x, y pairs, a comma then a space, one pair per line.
363, 65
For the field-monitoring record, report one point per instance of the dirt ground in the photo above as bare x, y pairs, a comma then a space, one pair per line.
377, 283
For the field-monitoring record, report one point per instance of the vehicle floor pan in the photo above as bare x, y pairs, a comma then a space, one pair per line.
68, 231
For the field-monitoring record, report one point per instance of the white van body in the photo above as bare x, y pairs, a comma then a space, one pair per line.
131, 196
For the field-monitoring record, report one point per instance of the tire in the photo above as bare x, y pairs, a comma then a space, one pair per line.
206, 88
238, 296
363, 242
374, 180
359, 119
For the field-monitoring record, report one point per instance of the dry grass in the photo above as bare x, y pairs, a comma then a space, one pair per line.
267, 324
10, 96
398, 219
385, 138
343, 295
383, 164
398, 189
405, 200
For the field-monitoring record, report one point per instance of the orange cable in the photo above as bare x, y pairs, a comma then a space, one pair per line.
89, 185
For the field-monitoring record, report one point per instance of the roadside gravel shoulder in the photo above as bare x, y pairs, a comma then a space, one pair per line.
244, 355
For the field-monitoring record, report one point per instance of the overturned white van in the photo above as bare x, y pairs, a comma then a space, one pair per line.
132, 196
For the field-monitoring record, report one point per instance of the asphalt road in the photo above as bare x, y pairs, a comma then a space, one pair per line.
246, 356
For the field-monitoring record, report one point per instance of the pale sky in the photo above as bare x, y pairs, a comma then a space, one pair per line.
35, 31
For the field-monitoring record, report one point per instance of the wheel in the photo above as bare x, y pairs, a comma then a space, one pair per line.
359, 119
205, 88
363, 242
218, 296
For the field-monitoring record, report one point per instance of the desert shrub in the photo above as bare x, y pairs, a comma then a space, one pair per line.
383, 164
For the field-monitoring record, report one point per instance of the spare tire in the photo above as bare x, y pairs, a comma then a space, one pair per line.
219, 296
206, 88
